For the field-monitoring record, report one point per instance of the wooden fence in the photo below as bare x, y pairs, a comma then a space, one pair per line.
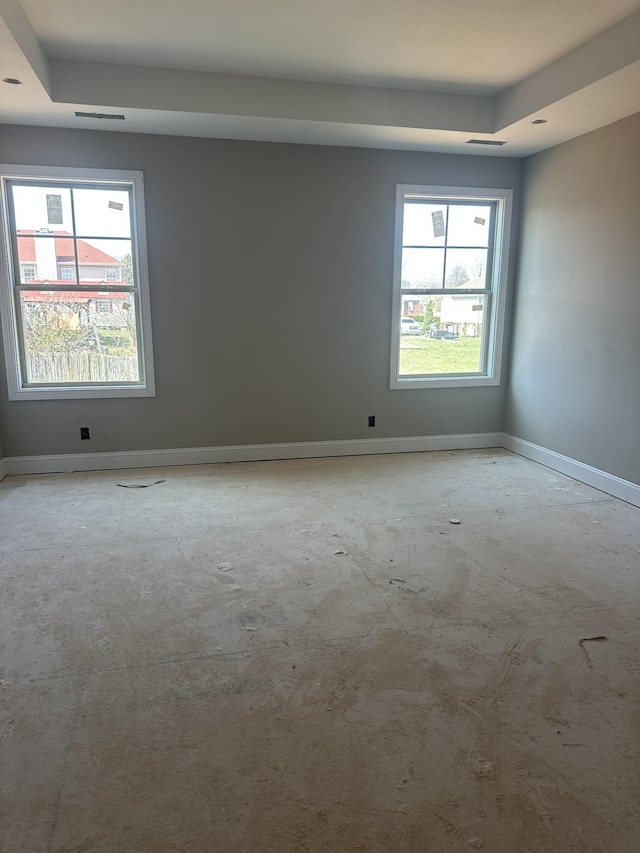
81, 367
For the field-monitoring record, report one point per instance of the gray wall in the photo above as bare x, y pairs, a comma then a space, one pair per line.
271, 270
575, 375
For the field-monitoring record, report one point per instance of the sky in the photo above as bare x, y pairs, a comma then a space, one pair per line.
94, 217
423, 255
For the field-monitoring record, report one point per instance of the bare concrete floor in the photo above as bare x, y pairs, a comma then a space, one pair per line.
308, 656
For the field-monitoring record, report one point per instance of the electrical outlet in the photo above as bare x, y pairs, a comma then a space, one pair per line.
372, 420
84, 434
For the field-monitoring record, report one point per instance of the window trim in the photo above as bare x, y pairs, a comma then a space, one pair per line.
23, 276
8, 314
113, 270
65, 270
497, 295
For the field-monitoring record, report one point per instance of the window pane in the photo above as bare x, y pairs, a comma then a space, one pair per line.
27, 272
469, 225
80, 306
466, 268
105, 261
454, 325
422, 267
27, 259
424, 224
42, 256
67, 338
102, 213
37, 207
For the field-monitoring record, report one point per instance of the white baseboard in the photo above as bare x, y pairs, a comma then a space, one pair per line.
612, 485
63, 463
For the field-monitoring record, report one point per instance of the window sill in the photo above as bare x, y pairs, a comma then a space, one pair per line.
80, 393
443, 382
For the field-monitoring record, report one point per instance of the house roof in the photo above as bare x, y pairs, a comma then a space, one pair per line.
87, 254
81, 298
389, 74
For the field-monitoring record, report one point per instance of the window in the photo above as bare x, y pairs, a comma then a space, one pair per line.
451, 253
28, 272
73, 226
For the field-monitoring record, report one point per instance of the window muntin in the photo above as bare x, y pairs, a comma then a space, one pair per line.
85, 231
27, 272
450, 261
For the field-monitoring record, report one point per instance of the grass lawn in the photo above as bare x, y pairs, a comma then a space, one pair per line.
117, 342
423, 355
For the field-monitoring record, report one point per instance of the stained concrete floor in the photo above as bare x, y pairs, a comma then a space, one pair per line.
308, 656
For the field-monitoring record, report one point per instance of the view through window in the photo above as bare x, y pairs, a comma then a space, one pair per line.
448, 271
75, 293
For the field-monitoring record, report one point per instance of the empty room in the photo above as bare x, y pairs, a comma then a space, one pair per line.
319, 426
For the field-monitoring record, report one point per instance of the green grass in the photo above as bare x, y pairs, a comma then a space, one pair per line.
117, 342
423, 355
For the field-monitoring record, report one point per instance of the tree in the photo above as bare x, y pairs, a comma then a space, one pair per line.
124, 312
127, 269
55, 325
458, 276
479, 264
429, 317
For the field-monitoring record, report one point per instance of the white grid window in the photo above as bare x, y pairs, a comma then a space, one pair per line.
451, 253
74, 223
28, 272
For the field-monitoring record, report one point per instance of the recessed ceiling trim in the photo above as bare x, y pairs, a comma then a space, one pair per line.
602, 56
136, 87
595, 83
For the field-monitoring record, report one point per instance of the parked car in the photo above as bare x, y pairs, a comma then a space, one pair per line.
409, 326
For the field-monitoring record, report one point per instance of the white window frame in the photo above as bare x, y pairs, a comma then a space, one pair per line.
23, 274
111, 274
17, 389
71, 277
498, 286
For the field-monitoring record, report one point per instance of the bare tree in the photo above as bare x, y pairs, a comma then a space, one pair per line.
458, 276
478, 264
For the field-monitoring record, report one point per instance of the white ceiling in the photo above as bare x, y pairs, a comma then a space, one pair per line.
388, 73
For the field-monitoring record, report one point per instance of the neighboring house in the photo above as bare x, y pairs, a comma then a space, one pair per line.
463, 313
460, 313
51, 260
412, 306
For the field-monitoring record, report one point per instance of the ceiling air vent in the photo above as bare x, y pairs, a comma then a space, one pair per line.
485, 142
100, 115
